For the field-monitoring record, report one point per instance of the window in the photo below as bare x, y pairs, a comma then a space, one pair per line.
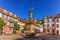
14, 19
8, 23
47, 25
57, 25
11, 24
8, 17
52, 25
1, 15
47, 20
52, 20
11, 19
57, 19
5, 16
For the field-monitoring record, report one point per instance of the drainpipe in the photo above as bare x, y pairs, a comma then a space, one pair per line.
55, 25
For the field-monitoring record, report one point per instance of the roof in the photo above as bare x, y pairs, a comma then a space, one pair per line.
3, 11
8, 13
53, 16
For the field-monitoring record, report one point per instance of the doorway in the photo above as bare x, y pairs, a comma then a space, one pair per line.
53, 32
57, 32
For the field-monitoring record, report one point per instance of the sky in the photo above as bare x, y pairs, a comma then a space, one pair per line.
41, 8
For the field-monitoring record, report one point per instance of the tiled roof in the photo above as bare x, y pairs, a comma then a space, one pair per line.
57, 15
53, 16
8, 13
3, 11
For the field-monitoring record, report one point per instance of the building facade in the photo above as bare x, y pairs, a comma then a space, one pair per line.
38, 28
52, 24
9, 18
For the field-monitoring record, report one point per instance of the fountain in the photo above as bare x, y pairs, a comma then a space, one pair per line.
30, 33
30, 26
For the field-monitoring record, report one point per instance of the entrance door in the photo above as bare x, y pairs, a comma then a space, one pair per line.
53, 32
57, 32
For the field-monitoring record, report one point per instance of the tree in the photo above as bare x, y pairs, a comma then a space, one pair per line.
2, 23
16, 26
42, 22
25, 27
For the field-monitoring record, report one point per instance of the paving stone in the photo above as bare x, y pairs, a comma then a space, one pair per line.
43, 37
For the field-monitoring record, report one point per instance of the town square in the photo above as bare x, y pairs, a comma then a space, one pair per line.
29, 19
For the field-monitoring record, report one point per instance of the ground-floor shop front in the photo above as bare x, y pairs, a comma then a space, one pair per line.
51, 31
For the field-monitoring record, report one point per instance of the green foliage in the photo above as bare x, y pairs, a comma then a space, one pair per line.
16, 26
14, 39
25, 27
2, 23
42, 22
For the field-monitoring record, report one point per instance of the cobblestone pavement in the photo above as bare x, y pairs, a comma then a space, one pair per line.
41, 37
22, 37
8, 37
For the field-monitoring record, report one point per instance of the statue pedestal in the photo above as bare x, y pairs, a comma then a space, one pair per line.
30, 27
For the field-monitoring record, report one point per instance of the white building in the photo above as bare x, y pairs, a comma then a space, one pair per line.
52, 24
9, 18
39, 28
